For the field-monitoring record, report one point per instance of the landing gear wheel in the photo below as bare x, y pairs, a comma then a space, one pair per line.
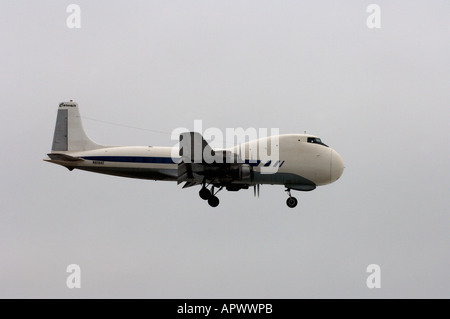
204, 193
213, 201
291, 202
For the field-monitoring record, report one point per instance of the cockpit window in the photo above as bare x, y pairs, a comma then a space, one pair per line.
316, 140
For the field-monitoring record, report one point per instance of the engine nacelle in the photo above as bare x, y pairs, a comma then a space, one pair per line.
227, 173
245, 172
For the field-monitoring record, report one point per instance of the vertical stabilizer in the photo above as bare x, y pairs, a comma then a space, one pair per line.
69, 132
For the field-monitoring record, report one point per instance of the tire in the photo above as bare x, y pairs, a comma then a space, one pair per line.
291, 202
204, 193
213, 201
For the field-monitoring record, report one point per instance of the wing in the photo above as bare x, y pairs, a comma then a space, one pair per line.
200, 164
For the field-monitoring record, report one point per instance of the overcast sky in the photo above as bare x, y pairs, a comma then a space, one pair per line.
380, 97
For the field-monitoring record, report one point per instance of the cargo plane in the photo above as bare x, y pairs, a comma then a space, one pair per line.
303, 161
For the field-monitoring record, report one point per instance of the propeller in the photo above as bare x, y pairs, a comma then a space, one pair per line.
256, 190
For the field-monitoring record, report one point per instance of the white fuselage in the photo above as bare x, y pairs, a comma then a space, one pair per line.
300, 164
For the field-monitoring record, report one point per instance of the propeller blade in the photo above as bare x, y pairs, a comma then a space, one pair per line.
258, 190
254, 190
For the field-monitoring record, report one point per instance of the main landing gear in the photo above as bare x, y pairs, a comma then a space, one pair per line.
210, 195
291, 201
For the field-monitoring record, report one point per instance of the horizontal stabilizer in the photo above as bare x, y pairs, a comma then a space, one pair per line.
64, 157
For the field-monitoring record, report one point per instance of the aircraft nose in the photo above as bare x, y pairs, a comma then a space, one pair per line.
336, 166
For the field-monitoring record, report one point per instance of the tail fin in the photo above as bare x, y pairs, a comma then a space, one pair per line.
69, 133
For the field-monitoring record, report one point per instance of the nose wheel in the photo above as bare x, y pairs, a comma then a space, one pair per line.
291, 201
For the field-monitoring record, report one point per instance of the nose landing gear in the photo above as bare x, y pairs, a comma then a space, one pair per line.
291, 201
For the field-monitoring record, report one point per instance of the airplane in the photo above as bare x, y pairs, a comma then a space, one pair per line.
304, 161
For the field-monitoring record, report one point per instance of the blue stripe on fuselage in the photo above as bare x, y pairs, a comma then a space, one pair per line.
132, 159
252, 162
147, 159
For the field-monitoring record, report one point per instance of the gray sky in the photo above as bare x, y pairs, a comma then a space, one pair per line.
380, 97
